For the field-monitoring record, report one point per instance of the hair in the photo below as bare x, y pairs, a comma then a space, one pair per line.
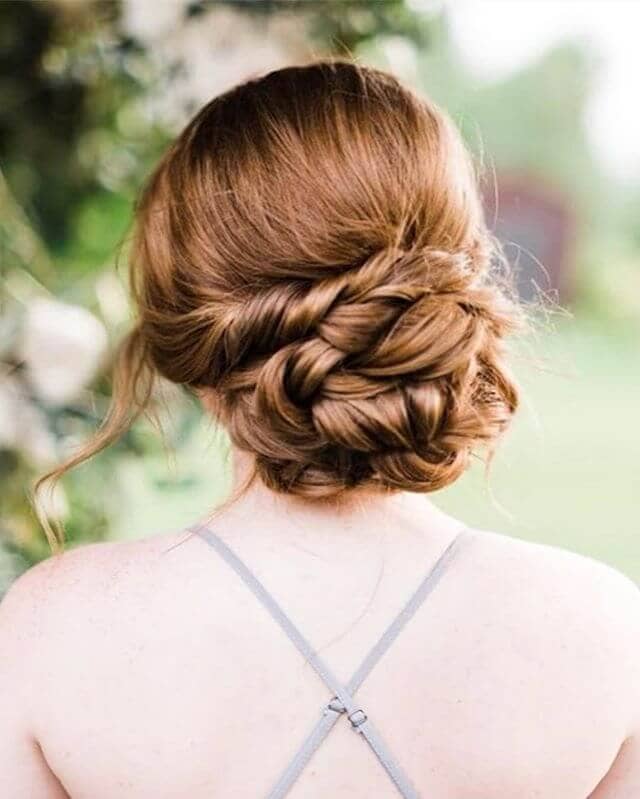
312, 252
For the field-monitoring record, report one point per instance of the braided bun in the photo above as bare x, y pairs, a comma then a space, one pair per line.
311, 256
386, 375
312, 251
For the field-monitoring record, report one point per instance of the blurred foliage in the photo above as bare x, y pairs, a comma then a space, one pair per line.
80, 129
343, 25
69, 80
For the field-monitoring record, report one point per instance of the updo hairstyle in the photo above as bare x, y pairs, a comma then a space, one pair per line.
311, 254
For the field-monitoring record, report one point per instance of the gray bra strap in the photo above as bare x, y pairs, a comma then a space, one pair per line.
328, 718
343, 701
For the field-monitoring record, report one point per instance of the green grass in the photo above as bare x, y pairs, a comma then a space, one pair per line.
568, 472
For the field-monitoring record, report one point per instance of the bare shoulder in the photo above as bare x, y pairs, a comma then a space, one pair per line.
518, 576
558, 573
582, 613
556, 579
60, 616
68, 586
557, 569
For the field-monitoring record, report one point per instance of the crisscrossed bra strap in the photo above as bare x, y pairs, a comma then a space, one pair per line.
343, 700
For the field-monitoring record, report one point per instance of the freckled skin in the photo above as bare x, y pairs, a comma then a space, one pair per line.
146, 669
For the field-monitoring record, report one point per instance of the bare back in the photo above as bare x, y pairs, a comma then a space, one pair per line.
154, 672
311, 259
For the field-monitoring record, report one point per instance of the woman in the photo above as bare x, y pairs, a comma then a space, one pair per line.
312, 260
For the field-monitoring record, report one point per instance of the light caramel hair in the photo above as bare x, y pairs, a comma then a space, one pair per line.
312, 252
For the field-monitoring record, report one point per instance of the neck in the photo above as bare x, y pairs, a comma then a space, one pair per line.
358, 513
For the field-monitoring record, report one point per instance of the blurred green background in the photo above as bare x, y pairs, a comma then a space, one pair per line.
93, 91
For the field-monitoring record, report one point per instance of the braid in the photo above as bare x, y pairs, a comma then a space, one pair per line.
372, 376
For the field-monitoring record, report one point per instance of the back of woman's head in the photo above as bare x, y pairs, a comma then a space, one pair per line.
311, 253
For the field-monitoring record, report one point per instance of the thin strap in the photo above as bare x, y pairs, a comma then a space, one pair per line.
328, 719
396, 626
343, 701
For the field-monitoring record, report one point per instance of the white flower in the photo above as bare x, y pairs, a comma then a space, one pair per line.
62, 348
215, 50
23, 426
151, 21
